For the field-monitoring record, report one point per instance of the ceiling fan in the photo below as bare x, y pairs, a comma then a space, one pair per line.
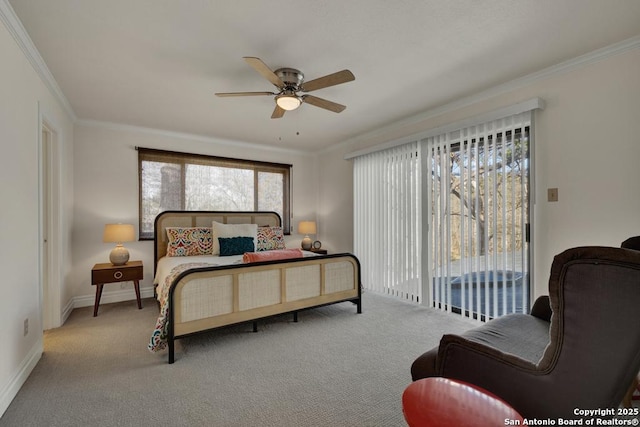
289, 82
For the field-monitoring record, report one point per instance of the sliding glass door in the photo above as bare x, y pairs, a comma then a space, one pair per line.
477, 189
444, 220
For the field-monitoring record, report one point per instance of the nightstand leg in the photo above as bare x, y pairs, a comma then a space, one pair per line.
136, 285
97, 302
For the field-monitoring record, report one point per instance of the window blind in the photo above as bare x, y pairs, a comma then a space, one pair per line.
387, 220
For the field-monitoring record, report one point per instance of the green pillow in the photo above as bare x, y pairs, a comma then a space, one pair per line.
235, 245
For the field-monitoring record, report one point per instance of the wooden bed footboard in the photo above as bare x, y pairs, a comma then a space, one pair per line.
210, 297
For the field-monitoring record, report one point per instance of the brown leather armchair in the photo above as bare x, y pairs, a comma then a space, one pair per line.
579, 348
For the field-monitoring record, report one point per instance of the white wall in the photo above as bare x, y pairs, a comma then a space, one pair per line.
106, 190
587, 145
23, 94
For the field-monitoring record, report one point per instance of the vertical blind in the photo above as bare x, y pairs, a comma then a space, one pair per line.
387, 220
444, 219
477, 190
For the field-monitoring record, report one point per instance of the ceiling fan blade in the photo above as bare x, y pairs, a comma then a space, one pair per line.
244, 93
323, 103
340, 77
266, 72
278, 112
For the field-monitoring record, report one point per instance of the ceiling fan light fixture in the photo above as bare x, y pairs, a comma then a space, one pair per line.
289, 82
288, 102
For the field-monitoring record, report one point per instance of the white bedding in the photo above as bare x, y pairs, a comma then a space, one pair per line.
166, 264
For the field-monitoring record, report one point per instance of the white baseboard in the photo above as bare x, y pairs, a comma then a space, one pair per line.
112, 296
14, 385
68, 308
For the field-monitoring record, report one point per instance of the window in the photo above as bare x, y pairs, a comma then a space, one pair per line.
181, 181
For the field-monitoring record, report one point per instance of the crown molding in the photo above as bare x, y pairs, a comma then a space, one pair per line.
563, 67
189, 136
24, 42
510, 110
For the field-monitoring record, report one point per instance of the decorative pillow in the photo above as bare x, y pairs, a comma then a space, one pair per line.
272, 255
231, 230
270, 238
235, 245
189, 241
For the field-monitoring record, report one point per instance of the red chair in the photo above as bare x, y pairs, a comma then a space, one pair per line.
443, 402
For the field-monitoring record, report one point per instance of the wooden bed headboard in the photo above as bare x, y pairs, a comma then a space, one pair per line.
204, 219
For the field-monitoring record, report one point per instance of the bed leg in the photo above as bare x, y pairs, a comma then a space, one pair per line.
295, 317
171, 351
255, 326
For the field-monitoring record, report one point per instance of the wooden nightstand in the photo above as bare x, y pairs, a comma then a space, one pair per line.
109, 273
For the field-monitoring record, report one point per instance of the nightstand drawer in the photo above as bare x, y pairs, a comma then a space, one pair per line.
116, 274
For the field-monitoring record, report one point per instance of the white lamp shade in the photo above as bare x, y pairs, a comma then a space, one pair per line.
307, 227
118, 233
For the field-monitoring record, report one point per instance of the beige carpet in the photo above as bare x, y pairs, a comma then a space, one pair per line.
332, 368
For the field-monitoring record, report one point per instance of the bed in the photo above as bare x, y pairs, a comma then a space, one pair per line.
198, 291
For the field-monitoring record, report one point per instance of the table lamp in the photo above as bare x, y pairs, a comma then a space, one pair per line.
306, 228
118, 233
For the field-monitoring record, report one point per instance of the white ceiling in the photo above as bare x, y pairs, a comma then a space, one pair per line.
158, 63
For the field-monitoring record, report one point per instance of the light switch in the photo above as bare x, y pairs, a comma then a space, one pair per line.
552, 194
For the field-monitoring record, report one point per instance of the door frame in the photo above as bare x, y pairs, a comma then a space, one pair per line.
49, 215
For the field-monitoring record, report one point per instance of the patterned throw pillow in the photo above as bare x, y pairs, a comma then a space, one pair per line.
235, 245
270, 238
189, 241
